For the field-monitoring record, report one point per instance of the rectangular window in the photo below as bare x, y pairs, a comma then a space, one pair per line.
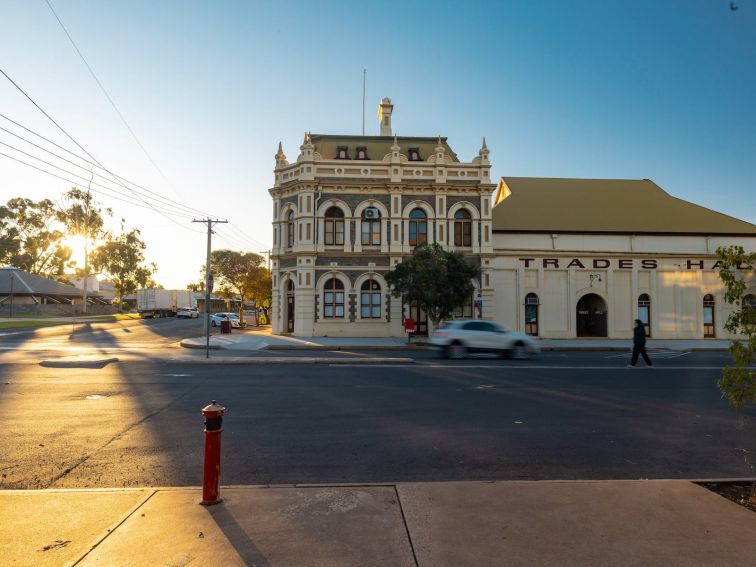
371, 232
309, 202
309, 231
334, 232
396, 232
275, 236
300, 232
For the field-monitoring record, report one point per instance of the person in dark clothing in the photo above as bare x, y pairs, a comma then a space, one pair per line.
639, 344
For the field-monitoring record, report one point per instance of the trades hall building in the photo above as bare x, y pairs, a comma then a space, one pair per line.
559, 258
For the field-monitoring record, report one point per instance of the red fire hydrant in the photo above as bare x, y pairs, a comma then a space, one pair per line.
213, 414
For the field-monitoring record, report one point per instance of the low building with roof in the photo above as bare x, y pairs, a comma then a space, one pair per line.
586, 257
24, 292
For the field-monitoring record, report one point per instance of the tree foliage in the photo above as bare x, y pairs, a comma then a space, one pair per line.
238, 271
122, 260
83, 215
738, 382
31, 237
439, 281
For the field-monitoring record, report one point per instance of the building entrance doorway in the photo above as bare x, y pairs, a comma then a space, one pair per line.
290, 307
421, 319
591, 316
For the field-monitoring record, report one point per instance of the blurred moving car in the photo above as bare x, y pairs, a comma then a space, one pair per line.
457, 338
216, 318
187, 312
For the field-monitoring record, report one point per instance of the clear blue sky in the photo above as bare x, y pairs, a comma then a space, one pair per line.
664, 90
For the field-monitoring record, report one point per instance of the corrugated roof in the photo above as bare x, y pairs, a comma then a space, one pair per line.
378, 146
32, 284
529, 204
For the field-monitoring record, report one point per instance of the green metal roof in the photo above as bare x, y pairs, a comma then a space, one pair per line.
634, 206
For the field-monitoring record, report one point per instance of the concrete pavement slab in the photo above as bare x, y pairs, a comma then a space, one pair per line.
618, 523
263, 526
57, 527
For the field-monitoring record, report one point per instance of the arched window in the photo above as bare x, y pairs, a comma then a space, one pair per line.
418, 227
462, 228
708, 316
371, 227
531, 314
644, 312
333, 299
370, 300
290, 230
334, 227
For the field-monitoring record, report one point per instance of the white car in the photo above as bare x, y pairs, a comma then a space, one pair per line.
216, 318
187, 313
457, 338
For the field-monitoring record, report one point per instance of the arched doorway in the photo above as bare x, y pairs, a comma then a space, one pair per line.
591, 316
290, 307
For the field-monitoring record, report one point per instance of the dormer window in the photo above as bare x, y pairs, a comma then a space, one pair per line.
362, 153
414, 154
342, 152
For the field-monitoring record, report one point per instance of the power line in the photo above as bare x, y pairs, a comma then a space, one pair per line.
105, 92
123, 198
91, 163
42, 110
179, 213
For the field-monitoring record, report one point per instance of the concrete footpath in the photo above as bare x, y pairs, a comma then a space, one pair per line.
660, 522
252, 340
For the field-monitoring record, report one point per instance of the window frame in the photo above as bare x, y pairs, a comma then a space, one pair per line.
371, 228
334, 304
374, 304
463, 229
331, 226
290, 219
531, 326
420, 227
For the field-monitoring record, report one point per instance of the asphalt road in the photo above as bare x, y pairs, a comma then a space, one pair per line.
559, 416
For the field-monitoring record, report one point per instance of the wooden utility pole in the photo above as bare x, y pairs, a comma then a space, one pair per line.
208, 279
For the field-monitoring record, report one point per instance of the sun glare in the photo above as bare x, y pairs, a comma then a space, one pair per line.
76, 243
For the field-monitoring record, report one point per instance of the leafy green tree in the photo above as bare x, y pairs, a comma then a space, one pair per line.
439, 281
31, 237
738, 382
262, 293
122, 260
238, 271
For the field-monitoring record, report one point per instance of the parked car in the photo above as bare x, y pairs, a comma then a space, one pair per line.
216, 318
187, 312
457, 338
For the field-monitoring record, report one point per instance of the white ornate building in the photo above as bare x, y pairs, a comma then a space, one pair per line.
350, 207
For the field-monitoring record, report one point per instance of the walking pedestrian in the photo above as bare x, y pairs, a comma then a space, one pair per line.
639, 344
